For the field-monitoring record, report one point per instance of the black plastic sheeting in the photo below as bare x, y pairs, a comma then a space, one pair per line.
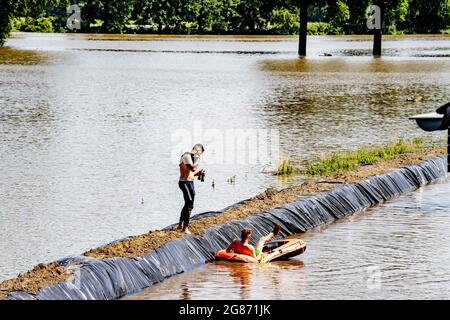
116, 277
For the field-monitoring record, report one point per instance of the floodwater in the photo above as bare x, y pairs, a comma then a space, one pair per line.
395, 251
90, 125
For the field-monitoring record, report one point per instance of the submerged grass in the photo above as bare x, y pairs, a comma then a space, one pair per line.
338, 162
286, 167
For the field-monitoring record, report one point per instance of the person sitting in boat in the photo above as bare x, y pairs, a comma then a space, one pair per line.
244, 246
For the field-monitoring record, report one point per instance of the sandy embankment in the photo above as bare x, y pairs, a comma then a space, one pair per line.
46, 274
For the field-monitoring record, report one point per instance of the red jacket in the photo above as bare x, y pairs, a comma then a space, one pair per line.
237, 247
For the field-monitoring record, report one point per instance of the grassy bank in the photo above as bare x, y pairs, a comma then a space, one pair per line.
347, 161
341, 162
286, 167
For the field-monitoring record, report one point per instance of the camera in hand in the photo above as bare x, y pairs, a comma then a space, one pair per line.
201, 176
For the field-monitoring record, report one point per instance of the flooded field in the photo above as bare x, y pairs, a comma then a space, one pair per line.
86, 127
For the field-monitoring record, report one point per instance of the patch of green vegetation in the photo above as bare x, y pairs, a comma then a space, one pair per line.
286, 167
347, 161
29, 24
320, 28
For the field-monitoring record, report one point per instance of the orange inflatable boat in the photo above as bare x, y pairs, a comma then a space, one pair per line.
273, 250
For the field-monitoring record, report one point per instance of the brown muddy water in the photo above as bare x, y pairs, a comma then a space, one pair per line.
86, 127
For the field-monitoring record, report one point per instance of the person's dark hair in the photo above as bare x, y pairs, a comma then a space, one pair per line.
199, 145
245, 234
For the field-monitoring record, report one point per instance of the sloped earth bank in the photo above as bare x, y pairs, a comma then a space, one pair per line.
45, 275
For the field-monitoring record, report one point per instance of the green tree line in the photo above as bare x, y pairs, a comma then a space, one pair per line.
223, 16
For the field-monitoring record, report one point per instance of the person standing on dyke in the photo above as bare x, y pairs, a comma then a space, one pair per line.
188, 165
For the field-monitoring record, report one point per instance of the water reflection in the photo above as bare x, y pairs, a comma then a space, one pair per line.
241, 277
13, 56
355, 65
185, 293
237, 281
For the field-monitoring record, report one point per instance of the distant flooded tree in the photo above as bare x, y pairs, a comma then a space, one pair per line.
430, 16
338, 15
158, 16
22, 8
224, 16
115, 15
6, 11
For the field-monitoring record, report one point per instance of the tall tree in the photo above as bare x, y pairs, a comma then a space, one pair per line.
6, 11
34, 8
338, 15
428, 16
116, 14
28, 8
395, 15
166, 15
